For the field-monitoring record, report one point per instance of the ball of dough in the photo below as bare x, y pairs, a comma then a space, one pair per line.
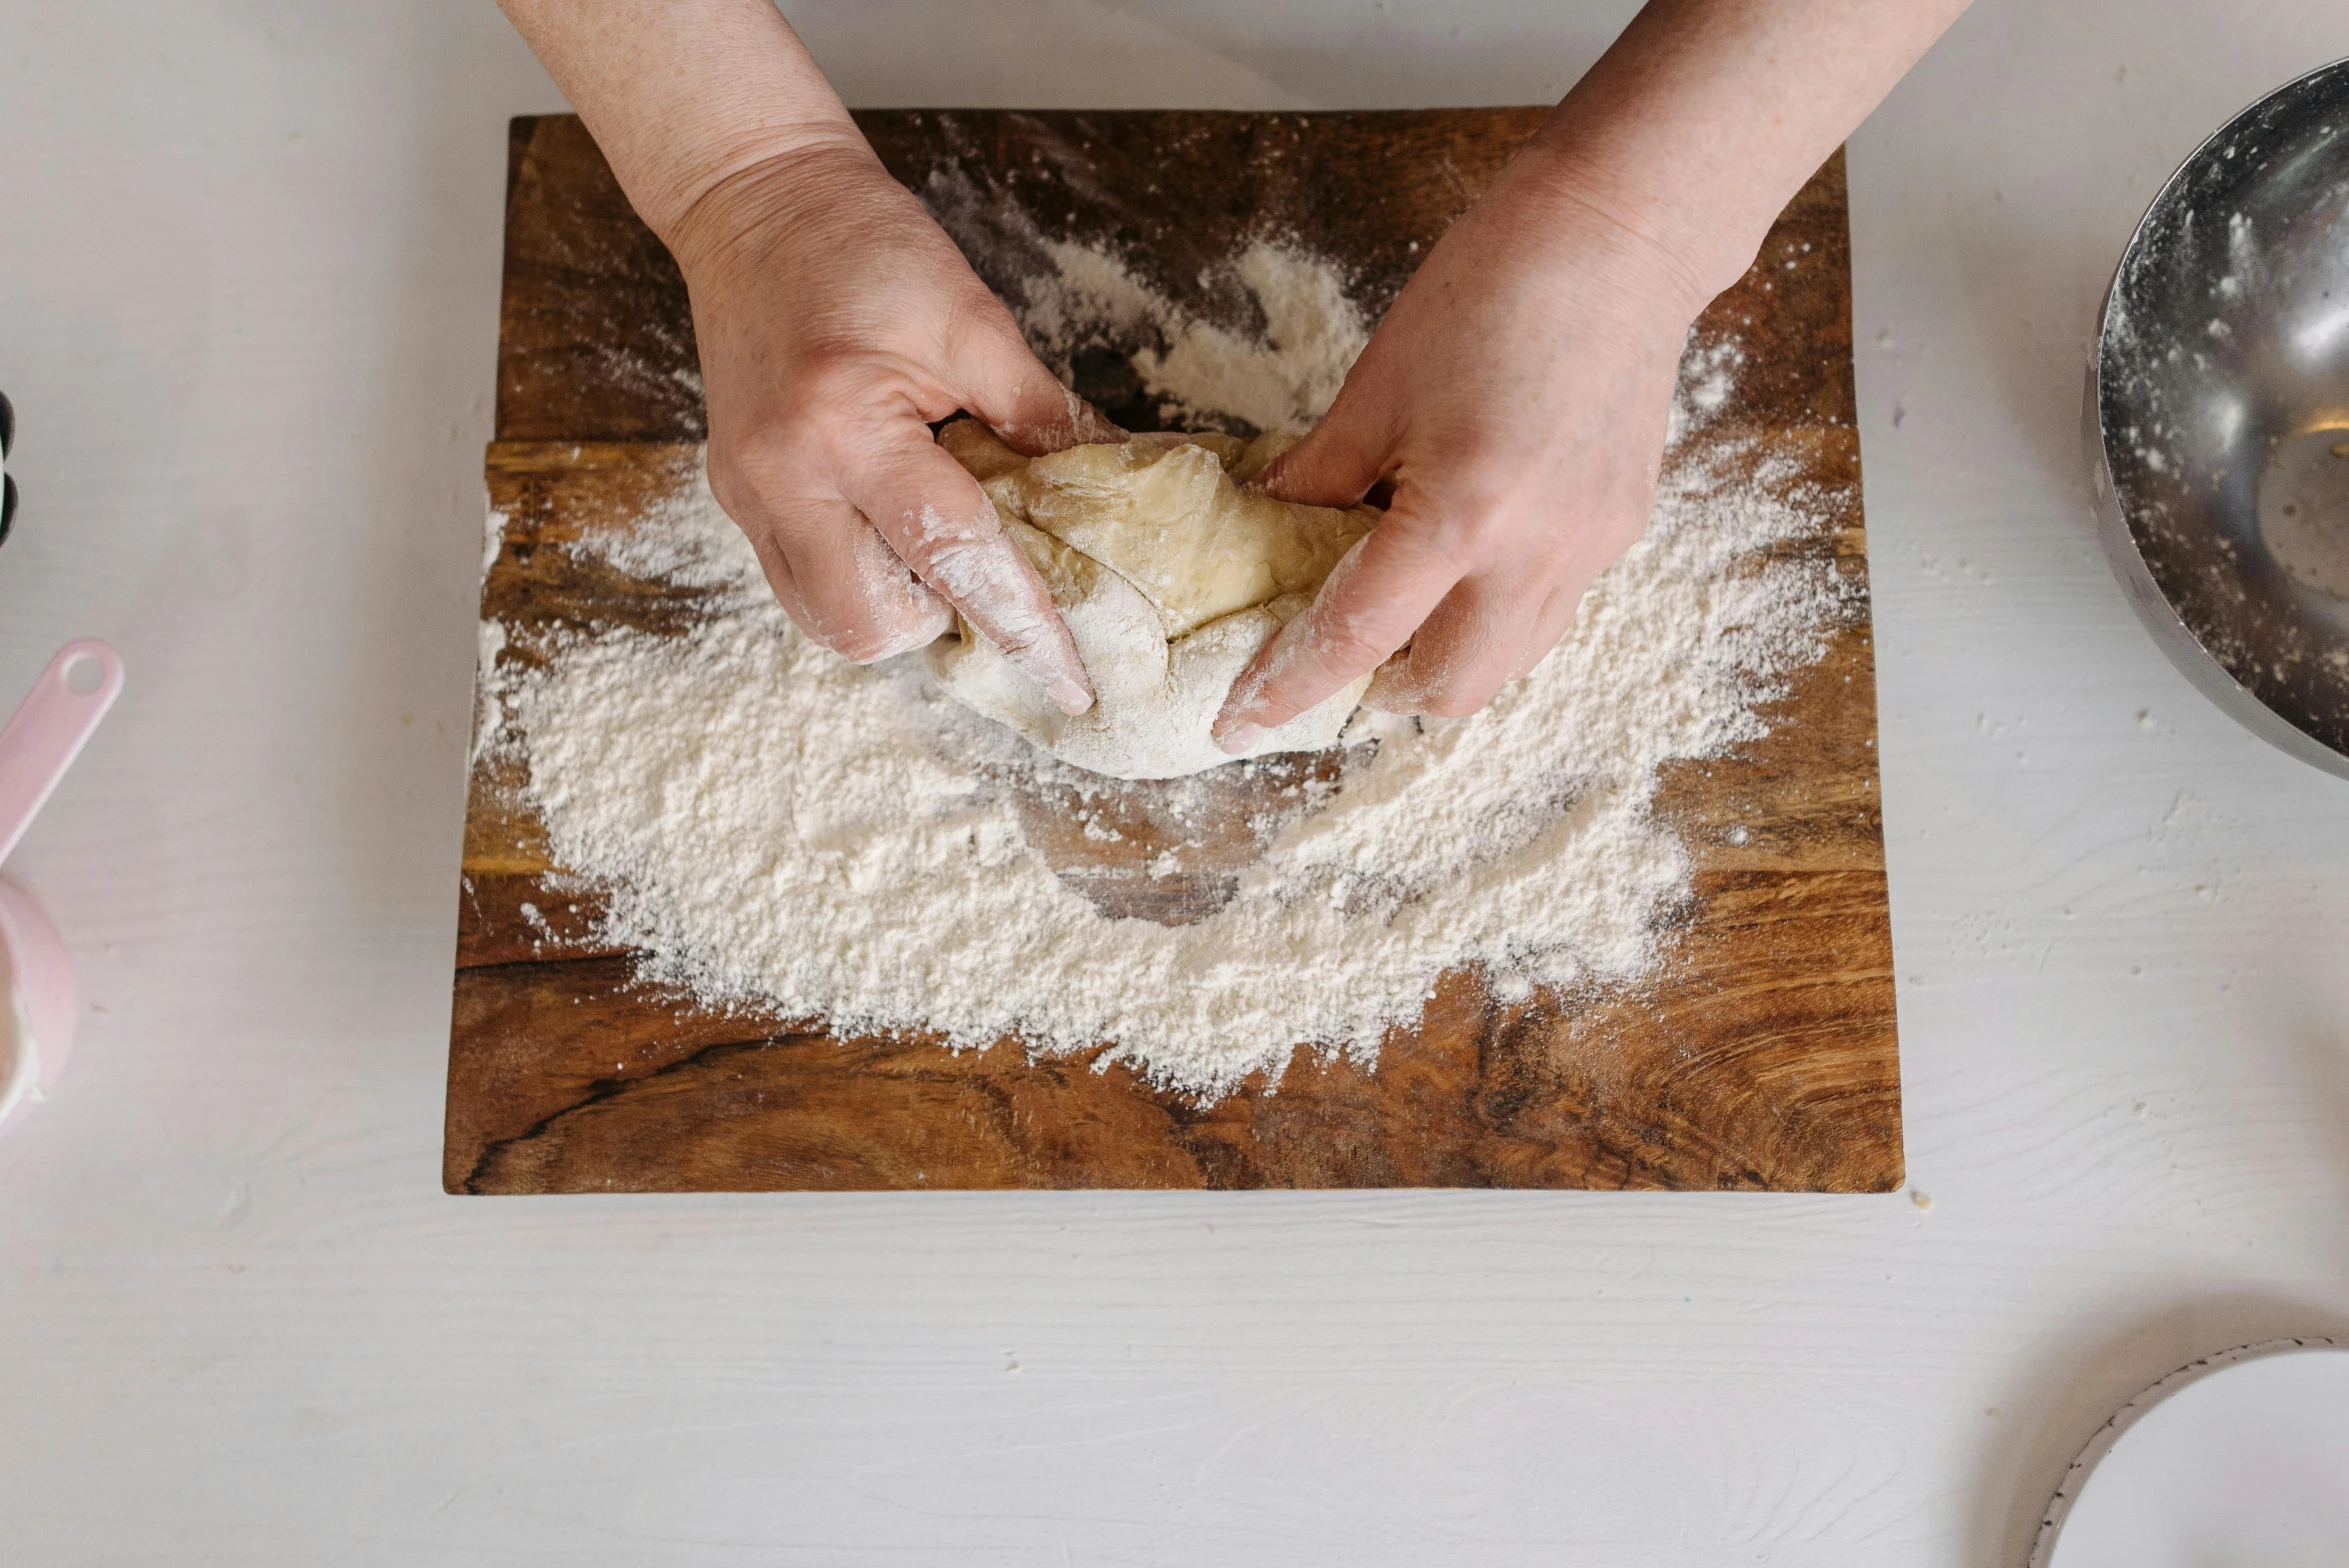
1171, 578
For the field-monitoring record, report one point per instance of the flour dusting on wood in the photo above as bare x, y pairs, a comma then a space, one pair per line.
772, 826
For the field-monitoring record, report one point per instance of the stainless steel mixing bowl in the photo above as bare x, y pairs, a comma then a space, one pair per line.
2217, 420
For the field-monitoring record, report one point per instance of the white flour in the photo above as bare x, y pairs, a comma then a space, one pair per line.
1312, 333
1280, 372
775, 826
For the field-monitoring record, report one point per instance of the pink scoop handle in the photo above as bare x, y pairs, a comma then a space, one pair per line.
49, 729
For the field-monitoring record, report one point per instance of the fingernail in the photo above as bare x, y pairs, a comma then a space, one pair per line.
1070, 696
1088, 423
1238, 737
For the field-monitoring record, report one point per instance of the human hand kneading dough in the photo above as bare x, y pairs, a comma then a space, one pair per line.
836, 321
1517, 394
1515, 397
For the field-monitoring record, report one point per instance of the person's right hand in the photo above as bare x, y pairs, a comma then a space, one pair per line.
836, 323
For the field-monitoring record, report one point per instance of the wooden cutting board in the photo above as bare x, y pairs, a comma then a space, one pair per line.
1763, 1057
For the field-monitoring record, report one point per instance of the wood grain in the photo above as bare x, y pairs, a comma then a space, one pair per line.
1765, 1058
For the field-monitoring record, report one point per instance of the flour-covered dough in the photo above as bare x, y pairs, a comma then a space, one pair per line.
1171, 578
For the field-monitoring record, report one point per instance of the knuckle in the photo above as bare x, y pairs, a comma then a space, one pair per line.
872, 633
732, 481
1474, 527
1423, 542
1465, 514
952, 536
1346, 638
1346, 649
1452, 702
825, 373
828, 385
973, 320
974, 569
868, 644
757, 474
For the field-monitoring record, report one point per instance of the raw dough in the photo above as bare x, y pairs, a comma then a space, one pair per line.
1171, 579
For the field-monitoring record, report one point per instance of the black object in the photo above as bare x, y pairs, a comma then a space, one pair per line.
7, 481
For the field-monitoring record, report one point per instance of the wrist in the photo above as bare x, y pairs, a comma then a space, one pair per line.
1682, 252
1546, 221
794, 190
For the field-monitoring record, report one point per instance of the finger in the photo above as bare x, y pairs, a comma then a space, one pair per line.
842, 583
1336, 463
1010, 390
1375, 598
1571, 584
1469, 646
1551, 625
939, 522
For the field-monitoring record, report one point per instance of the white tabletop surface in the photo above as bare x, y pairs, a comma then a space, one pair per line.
248, 313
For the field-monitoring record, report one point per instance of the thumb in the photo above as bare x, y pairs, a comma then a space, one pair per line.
1014, 394
940, 523
1336, 463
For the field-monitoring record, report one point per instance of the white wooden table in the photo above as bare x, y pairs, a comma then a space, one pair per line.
248, 314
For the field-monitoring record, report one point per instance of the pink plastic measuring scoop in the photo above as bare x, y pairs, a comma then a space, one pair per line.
38, 745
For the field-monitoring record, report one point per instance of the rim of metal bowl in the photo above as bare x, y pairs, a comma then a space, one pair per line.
2170, 632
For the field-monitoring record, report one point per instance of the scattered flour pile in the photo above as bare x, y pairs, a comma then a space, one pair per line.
772, 825
1281, 374
1312, 333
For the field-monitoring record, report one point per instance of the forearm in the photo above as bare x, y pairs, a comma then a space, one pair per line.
1706, 116
683, 94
